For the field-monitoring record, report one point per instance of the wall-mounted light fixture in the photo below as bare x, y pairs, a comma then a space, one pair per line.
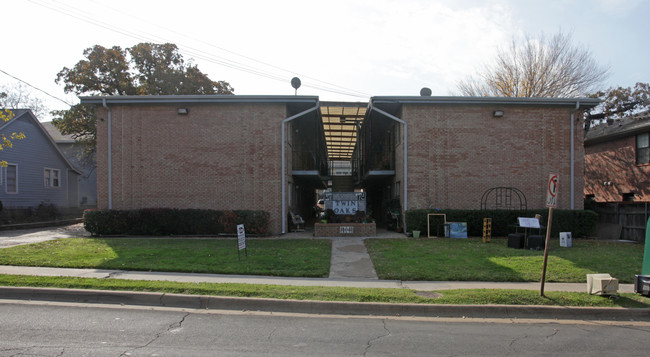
183, 111
497, 113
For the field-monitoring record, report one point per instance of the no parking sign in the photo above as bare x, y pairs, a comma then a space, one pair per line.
551, 192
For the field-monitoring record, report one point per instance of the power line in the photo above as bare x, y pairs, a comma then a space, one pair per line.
232, 52
209, 57
38, 89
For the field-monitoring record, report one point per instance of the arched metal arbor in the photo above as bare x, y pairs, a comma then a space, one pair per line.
509, 198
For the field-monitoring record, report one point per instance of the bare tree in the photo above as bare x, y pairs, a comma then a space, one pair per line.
538, 67
19, 96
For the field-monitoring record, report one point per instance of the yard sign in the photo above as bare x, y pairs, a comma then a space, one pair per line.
241, 239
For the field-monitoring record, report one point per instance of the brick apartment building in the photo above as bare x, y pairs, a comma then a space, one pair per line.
273, 152
617, 155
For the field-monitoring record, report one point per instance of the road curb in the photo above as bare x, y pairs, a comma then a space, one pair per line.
322, 307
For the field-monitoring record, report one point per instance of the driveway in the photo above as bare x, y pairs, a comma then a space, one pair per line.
34, 235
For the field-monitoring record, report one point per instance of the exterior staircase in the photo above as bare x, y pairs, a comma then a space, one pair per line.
342, 184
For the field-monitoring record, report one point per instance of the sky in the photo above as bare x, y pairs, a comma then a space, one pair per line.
346, 50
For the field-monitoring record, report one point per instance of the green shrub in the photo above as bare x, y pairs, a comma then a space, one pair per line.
46, 212
580, 222
106, 222
255, 222
171, 221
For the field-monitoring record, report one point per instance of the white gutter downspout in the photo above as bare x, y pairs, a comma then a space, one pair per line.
573, 177
284, 184
406, 204
110, 154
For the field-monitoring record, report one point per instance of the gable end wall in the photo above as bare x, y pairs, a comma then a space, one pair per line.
456, 153
224, 156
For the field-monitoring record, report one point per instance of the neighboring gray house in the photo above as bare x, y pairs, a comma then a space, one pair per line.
37, 171
84, 162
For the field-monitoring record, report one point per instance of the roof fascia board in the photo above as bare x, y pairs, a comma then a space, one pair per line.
584, 102
618, 135
195, 99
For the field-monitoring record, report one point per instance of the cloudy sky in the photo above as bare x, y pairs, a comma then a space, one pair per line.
345, 50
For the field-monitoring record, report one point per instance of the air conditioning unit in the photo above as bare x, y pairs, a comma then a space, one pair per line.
642, 284
602, 284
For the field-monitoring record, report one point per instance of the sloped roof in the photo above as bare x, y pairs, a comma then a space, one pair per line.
27, 113
56, 135
619, 128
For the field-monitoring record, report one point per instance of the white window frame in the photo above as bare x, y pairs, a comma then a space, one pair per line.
7, 181
50, 175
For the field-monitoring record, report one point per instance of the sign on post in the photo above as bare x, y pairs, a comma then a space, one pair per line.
551, 193
241, 239
551, 202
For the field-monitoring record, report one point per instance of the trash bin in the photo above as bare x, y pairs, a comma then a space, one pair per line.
535, 242
516, 240
642, 284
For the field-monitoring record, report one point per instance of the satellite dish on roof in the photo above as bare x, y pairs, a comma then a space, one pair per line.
425, 92
295, 83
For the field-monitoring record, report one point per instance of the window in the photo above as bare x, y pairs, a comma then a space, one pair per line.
642, 149
52, 178
396, 189
12, 179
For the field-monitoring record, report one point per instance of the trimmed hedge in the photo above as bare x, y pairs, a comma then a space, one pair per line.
580, 223
171, 221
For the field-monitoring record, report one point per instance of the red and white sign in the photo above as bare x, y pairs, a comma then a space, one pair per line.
551, 193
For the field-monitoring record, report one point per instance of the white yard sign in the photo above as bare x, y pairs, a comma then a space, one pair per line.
241, 236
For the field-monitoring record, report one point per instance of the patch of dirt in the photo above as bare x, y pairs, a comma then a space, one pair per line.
429, 294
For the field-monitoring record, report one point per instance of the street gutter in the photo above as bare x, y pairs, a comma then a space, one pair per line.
323, 307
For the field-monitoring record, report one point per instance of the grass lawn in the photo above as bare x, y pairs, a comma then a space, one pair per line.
446, 259
460, 297
277, 257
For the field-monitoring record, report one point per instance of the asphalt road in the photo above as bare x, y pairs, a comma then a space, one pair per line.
61, 329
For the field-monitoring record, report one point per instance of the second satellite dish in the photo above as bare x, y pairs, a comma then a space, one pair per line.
295, 83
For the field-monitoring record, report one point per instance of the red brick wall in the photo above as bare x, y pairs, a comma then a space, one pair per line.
611, 171
221, 156
456, 153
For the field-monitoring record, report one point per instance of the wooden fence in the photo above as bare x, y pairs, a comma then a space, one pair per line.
632, 217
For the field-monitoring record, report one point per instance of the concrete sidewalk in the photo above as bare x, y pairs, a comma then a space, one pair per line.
272, 280
338, 308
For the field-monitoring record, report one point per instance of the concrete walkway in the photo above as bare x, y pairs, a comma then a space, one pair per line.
350, 260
